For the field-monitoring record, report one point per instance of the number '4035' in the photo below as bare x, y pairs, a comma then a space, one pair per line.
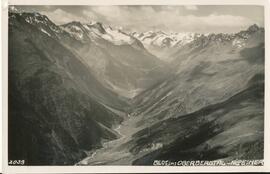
16, 162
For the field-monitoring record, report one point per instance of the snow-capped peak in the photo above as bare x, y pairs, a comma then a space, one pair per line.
162, 39
77, 30
97, 26
42, 22
92, 22
117, 36
96, 31
36, 18
13, 9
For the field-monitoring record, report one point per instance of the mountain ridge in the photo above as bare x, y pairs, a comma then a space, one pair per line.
164, 45
88, 92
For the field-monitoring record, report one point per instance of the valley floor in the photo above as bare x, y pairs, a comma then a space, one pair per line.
112, 152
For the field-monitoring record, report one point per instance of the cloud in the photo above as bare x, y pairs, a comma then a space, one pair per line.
60, 16
145, 18
90, 16
214, 23
224, 20
191, 7
214, 20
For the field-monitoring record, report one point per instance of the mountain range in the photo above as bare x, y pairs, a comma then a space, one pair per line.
92, 94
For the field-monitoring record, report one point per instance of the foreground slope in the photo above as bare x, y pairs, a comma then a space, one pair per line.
56, 106
229, 130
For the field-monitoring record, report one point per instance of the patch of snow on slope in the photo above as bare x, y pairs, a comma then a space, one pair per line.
162, 39
44, 31
238, 43
75, 31
117, 37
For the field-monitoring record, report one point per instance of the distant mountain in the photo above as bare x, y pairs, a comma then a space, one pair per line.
165, 40
162, 44
96, 31
13, 9
118, 60
213, 57
165, 45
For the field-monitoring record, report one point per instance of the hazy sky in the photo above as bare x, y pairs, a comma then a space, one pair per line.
202, 19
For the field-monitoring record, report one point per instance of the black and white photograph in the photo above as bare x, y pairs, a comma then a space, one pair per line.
136, 85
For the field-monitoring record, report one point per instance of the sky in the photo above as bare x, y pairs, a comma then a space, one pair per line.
192, 18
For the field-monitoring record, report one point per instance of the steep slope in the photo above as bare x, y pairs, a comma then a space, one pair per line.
118, 60
44, 24
207, 70
229, 130
56, 106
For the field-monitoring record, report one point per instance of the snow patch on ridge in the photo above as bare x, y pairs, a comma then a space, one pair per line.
163, 40
238, 43
44, 31
117, 37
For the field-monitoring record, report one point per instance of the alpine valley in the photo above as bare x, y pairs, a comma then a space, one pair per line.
91, 94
